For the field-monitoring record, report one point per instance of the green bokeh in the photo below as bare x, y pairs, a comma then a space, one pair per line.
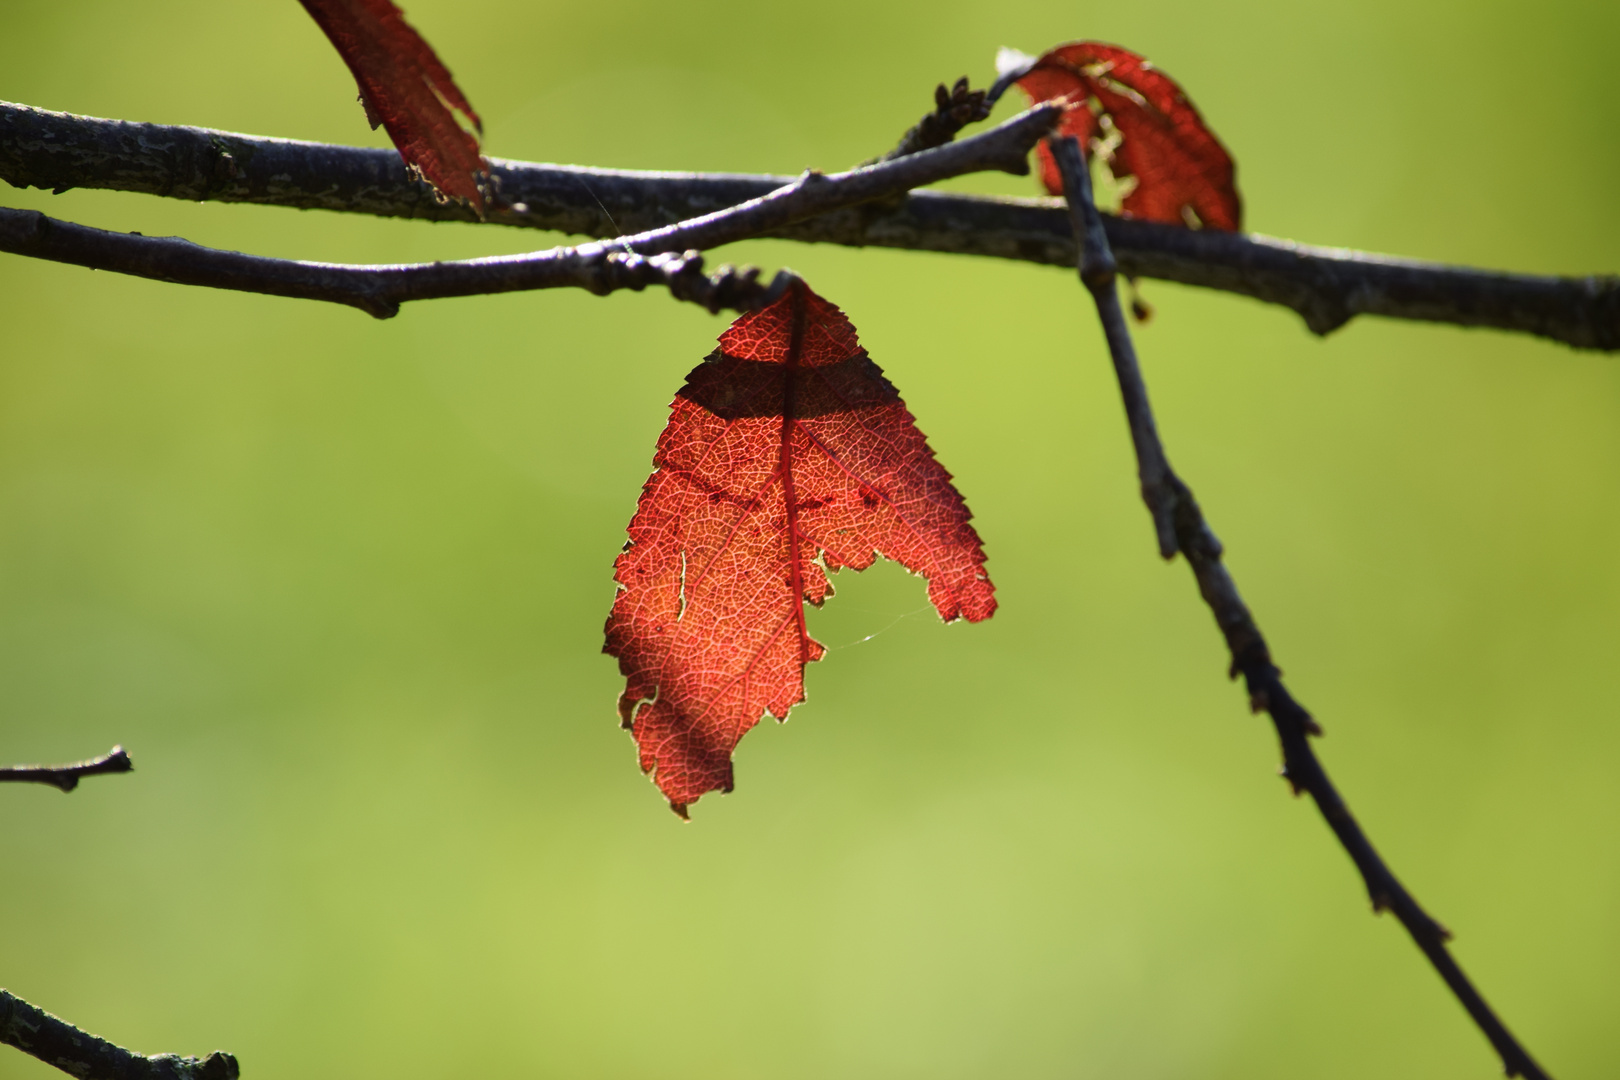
339, 585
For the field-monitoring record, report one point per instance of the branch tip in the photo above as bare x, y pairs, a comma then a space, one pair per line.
66, 777
1011, 65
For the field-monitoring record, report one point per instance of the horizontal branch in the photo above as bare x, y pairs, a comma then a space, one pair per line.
66, 777
377, 290
604, 266
78, 1053
1326, 286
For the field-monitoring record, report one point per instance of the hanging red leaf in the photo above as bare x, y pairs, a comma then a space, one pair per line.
787, 455
1183, 174
405, 88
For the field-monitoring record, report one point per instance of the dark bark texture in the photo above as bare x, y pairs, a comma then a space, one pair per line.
66, 777
1181, 527
634, 261
78, 1053
1326, 286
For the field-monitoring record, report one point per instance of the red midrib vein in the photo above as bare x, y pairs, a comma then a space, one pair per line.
785, 467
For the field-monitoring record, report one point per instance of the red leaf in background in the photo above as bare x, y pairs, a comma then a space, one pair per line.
406, 89
1178, 163
787, 455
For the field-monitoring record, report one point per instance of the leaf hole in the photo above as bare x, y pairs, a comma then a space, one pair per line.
1109, 190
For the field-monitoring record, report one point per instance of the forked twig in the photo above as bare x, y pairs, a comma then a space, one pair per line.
78, 1053
1180, 526
66, 777
604, 266
1326, 286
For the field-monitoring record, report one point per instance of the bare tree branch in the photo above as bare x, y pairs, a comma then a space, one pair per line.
66, 777
78, 1053
1326, 286
379, 290
601, 267
1180, 526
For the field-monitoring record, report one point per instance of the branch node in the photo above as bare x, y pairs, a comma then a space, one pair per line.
378, 308
1295, 787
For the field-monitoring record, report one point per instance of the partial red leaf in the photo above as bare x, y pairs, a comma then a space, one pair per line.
407, 90
787, 455
1179, 164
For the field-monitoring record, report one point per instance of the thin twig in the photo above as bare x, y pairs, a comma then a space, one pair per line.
78, 1053
1170, 501
379, 290
624, 262
1011, 65
1326, 286
66, 777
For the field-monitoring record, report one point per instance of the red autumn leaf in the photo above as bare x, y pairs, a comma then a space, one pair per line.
407, 90
1183, 174
787, 455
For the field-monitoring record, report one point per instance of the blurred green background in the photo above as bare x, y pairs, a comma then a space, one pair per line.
339, 586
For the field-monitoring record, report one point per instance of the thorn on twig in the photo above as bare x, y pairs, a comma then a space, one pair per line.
1296, 787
